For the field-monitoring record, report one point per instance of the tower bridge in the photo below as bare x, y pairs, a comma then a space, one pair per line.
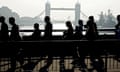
76, 10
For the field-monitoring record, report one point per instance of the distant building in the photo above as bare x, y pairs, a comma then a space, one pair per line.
106, 20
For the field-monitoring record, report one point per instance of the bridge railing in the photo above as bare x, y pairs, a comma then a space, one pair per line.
111, 64
62, 30
103, 33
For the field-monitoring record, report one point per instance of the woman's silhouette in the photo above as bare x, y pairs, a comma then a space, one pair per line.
91, 33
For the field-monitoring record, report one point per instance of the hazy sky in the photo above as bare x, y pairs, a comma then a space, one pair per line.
32, 8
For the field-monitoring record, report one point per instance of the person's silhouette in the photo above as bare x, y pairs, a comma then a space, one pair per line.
79, 60
48, 36
68, 49
95, 54
82, 51
118, 27
117, 33
14, 36
4, 34
48, 28
36, 33
91, 33
78, 30
68, 34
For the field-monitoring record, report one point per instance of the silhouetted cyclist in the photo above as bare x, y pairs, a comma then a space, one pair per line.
14, 35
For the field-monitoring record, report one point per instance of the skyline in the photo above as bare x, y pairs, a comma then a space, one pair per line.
32, 8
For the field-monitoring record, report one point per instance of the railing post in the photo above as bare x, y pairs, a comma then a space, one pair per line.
106, 57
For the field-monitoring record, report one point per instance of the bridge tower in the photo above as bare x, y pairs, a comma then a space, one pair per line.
76, 9
77, 12
47, 8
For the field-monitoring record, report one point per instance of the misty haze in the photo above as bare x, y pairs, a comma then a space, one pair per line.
59, 36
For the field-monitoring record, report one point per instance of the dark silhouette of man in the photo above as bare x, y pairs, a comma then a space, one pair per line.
78, 30
48, 36
117, 34
118, 27
14, 36
95, 54
79, 60
4, 34
91, 33
68, 34
36, 33
48, 28
68, 49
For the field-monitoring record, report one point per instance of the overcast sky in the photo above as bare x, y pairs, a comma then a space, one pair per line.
32, 8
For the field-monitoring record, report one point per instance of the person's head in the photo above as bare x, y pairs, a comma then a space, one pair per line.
68, 24
36, 26
80, 22
118, 18
47, 19
12, 20
91, 18
2, 19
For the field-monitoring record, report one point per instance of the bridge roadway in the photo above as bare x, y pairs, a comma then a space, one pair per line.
58, 47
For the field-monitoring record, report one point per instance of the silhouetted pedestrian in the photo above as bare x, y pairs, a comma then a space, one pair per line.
4, 34
95, 53
48, 36
117, 33
68, 34
48, 28
91, 32
78, 30
118, 27
14, 35
36, 33
68, 49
